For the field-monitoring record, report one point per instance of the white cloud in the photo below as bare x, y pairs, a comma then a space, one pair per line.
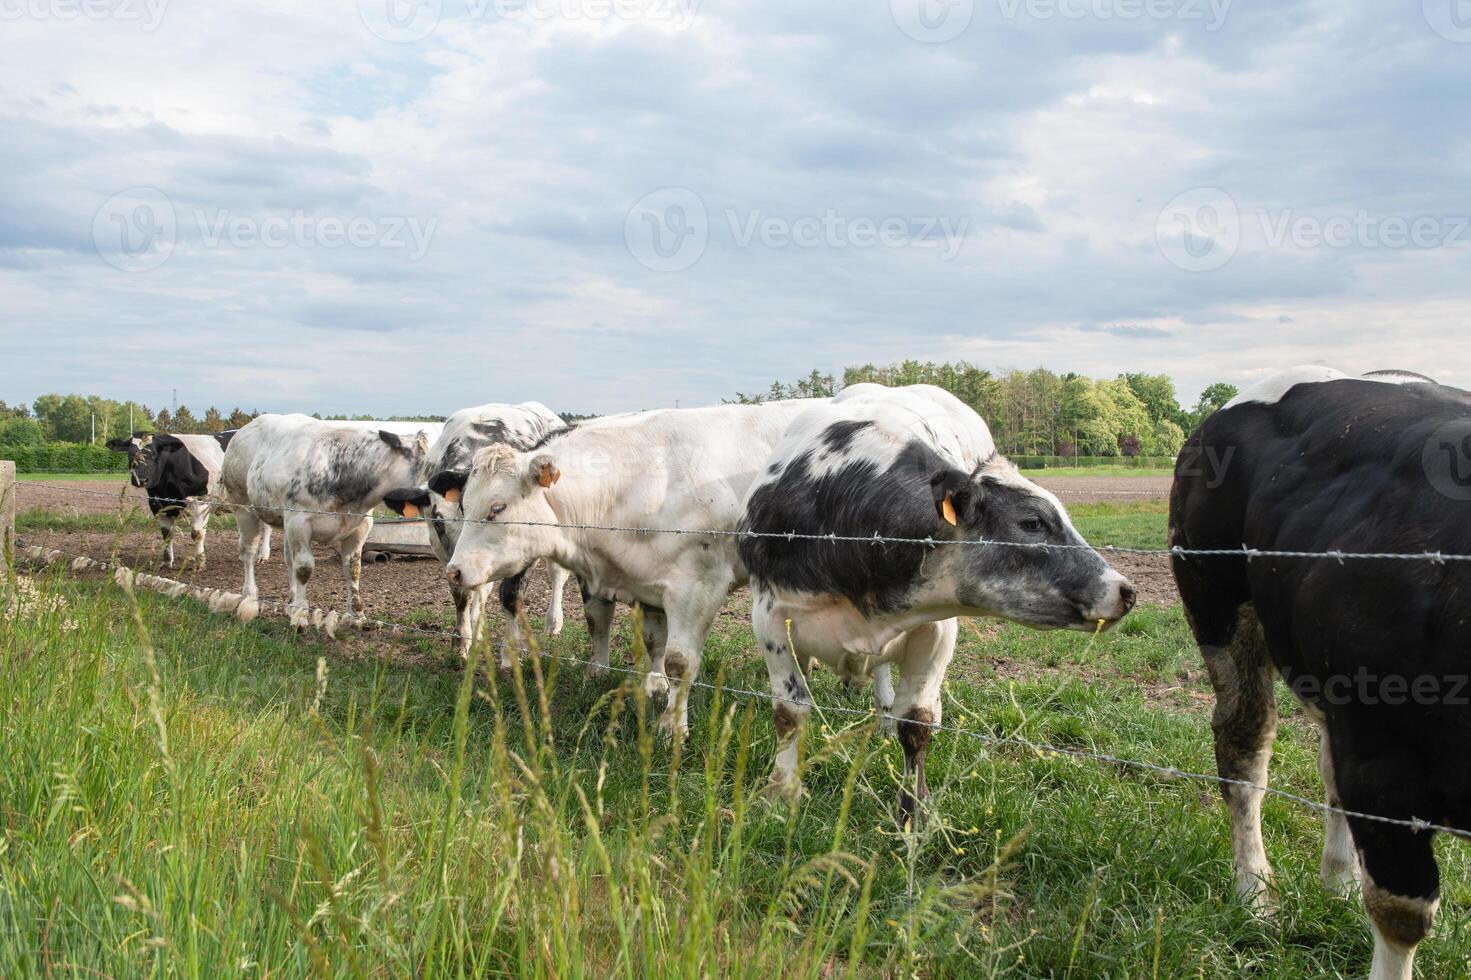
523, 141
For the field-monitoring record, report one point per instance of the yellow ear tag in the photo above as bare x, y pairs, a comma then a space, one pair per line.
948, 509
410, 510
452, 495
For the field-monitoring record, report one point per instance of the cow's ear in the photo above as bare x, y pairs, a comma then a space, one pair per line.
543, 471
390, 440
955, 497
121, 446
407, 501
449, 484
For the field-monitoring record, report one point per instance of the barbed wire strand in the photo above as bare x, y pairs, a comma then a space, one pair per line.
1040, 748
1241, 551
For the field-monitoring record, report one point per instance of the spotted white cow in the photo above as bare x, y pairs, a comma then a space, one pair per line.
1315, 460
673, 468
465, 433
181, 475
911, 463
316, 481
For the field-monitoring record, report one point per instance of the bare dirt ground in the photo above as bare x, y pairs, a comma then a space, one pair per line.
1107, 489
412, 590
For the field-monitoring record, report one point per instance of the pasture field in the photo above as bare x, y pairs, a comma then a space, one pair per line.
185, 795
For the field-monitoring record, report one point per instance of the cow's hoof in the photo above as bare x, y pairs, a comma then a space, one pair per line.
779, 790
671, 727
656, 685
554, 627
597, 671
1258, 893
888, 724
1339, 879
301, 618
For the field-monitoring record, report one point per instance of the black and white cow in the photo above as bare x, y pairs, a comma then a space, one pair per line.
1377, 651
914, 463
315, 480
672, 468
181, 476
465, 433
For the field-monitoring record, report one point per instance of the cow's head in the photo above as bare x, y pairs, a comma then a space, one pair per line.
1040, 573
405, 456
503, 498
140, 456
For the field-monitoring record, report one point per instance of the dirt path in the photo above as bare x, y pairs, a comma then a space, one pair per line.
1107, 489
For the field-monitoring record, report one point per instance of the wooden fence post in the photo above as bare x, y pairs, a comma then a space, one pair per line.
7, 510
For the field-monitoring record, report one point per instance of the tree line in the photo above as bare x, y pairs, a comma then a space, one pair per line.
1040, 412
1030, 413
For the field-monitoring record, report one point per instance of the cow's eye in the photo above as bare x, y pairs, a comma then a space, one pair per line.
1032, 525
497, 509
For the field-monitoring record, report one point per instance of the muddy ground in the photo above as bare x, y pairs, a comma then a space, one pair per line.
412, 590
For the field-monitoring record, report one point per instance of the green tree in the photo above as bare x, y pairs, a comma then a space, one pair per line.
1168, 438
165, 421
1212, 397
184, 420
1157, 392
17, 431
238, 419
213, 420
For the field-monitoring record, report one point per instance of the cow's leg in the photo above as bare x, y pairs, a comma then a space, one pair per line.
689, 616
557, 582
793, 700
599, 614
656, 642
1337, 868
350, 553
1401, 883
265, 543
252, 529
299, 564
512, 591
922, 657
198, 524
464, 619
166, 530
883, 699
1244, 723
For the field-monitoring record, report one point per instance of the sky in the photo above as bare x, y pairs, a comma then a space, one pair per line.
410, 206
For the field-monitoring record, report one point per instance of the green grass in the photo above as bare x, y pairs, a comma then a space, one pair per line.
216, 799
1135, 524
1099, 471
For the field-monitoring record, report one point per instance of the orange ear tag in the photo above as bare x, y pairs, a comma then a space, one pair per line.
549, 475
948, 509
410, 510
452, 495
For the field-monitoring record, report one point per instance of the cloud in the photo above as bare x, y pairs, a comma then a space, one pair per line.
1052, 146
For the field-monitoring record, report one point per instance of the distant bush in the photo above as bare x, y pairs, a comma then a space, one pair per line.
65, 457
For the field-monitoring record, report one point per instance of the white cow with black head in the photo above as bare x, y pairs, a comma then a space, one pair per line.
181, 475
318, 482
465, 433
911, 463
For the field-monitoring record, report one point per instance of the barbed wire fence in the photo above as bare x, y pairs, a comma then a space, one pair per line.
329, 622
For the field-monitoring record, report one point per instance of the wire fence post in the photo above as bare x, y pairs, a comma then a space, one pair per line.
7, 512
